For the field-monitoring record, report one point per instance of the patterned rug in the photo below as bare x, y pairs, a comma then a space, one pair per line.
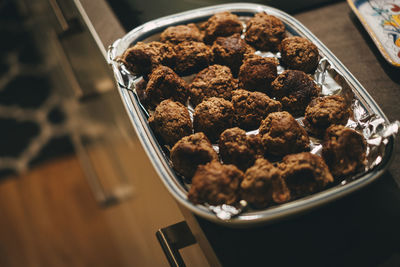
32, 120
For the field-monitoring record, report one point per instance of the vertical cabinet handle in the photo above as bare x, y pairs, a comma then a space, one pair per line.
173, 238
59, 15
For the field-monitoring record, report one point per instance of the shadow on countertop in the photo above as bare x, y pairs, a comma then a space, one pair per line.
358, 230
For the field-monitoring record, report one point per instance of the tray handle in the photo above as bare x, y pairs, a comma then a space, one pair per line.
173, 238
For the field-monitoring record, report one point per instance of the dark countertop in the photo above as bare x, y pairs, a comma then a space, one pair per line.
340, 30
362, 229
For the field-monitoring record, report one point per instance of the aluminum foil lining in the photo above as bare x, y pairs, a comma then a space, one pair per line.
374, 128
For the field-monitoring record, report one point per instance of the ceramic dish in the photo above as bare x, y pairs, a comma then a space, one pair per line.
381, 19
375, 121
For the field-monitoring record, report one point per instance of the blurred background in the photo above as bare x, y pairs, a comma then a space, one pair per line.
132, 13
76, 187
46, 77
70, 163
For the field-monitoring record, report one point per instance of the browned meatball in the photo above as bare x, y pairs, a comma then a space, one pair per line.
221, 24
163, 84
281, 134
257, 73
143, 57
294, 89
299, 53
181, 33
235, 147
213, 116
322, 112
191, 57
265, 32
252, 107
171, 121
262, 185
190, 152
230, 51
216, 80
305, 173
344, 151
215, 184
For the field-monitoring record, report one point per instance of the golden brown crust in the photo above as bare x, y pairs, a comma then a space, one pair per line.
230, 51
235, 147
171, 121
221, 24
190, 152
257, 73
294, 89
299, 53
305, 173
265, 32
215, 184
163, 84
191, 57
213, 116
281, 135
262, 185
344, 151
252, 107
181, 33
325, 111
215, 80
142, 58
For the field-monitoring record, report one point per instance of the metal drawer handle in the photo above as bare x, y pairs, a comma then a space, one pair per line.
173, 238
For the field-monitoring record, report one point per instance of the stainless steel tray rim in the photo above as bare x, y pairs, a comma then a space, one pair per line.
251, 8
155, 155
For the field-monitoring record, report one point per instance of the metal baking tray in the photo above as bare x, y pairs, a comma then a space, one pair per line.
138, 116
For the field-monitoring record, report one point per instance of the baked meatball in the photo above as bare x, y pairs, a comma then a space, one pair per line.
252, 107
265, 32
190, 152
305, 173
163, 84
257, 73
216, 80
143, 57
281, 135
171, 121
294, 89
235, 147
230, 51
221, 24
216, 184
191, 57
262, 185
344, 151
213, 116
181, 33
299, 53
322, 112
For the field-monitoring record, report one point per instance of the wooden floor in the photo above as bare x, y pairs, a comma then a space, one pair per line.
49, 217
